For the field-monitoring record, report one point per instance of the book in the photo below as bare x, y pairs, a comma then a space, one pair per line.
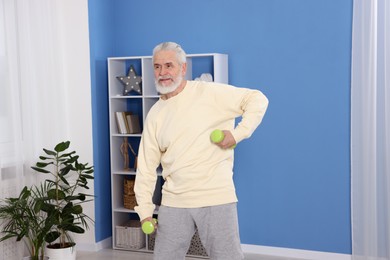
124, 115
127, 123
133, 124
121, 123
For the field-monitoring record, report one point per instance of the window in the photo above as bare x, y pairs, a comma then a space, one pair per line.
9, 104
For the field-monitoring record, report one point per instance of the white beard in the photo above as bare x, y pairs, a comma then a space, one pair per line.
170, 88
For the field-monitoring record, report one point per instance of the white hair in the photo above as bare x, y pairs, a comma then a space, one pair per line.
171, 46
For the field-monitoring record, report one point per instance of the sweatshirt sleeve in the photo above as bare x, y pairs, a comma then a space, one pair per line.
148, 160
253, 105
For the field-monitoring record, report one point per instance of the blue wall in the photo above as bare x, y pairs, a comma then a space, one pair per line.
293, 176
101, 24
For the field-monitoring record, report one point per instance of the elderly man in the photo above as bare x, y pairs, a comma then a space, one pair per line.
198, 191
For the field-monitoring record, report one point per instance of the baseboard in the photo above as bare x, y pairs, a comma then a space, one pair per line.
94, 247
249, 249
293, 253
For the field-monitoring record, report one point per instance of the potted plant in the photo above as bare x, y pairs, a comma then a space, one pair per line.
63, 200
22, 219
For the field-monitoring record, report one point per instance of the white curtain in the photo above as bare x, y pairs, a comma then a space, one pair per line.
370, 130
32, 93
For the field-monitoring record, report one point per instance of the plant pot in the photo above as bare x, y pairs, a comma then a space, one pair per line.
40, 258
67, 253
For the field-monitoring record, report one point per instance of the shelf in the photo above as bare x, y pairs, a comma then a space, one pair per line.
126, 135
158, 172
125, 210
132, 172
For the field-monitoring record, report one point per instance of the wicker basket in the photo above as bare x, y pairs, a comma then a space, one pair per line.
128, 186
130, 235
129, 201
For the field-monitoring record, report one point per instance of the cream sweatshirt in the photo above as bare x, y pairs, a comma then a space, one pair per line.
197, 173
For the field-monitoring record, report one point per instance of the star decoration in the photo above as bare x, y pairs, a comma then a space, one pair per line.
131, 82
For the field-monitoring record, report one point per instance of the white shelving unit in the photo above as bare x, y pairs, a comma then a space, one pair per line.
214, 63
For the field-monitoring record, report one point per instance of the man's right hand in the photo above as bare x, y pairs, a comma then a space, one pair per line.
151, 220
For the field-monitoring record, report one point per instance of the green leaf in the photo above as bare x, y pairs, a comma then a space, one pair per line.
39, 204
56, 194
68, 218
87, 176
75, 229
21, 234
68, 208
53, 217
47, 207
67, 154
63, 179
42, 164
49, 152
52, 236
82, 196
25, 193
73, 159
40, 170
70, 198
62, 146
66, 169
7, 237
89, 171
77, 209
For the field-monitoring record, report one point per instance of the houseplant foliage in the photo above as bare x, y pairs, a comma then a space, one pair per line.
22, 219
63, 200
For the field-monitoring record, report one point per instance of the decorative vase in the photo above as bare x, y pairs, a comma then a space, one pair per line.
67, 253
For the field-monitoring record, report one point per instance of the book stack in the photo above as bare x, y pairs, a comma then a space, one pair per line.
127, 123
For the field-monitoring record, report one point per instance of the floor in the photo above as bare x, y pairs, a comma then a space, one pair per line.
109, 254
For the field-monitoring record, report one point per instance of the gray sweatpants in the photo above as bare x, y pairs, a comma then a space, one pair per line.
217, 227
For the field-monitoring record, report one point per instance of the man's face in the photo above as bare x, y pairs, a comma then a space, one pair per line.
168, 73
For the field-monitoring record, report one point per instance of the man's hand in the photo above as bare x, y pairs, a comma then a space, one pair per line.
228, 142
151, 220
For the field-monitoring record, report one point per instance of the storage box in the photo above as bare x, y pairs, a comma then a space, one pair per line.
151, 241
196, 247
130, 235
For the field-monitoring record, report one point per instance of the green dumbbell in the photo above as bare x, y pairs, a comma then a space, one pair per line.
217, 136
148, 226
